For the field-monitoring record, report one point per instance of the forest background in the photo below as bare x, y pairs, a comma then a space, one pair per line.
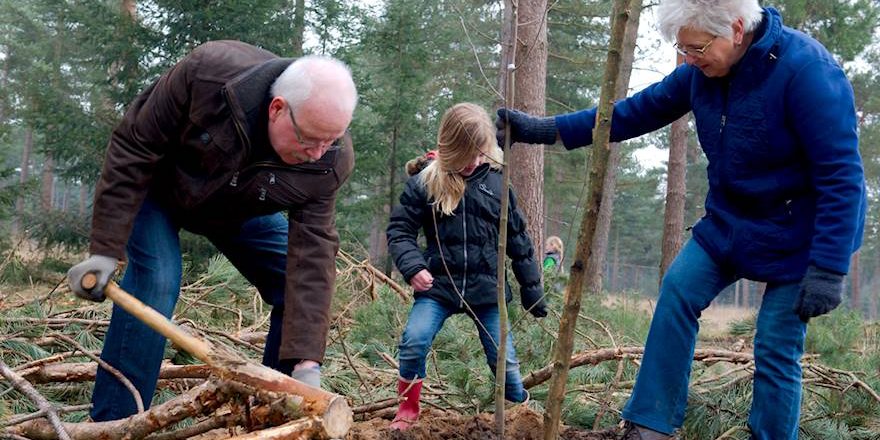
68, 69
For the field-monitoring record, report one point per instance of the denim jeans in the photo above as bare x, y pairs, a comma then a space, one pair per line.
660, 394
258, 249
426, 319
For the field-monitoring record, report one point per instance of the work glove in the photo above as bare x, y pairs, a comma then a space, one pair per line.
103, 268
821, 292
533, 300
525, 128
309, 376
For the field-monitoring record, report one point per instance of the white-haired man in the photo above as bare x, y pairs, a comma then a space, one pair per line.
775, 115
219, 145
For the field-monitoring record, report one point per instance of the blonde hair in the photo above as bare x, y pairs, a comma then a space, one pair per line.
465, 132
554, 244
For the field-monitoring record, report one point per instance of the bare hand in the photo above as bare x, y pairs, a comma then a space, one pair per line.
422, 281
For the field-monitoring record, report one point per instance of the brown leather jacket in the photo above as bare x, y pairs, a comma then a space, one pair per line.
195, 140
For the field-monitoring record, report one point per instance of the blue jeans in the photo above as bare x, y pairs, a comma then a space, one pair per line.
426, 319
258, 249
660, 394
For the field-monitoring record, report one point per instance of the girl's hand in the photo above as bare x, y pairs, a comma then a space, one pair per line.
422, 281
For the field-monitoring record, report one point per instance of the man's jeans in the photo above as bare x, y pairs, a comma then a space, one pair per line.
426, 319
660, 394
258, 249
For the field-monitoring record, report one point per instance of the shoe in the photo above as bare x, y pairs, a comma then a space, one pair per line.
632, 431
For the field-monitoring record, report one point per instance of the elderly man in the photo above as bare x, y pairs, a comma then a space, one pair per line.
219, 145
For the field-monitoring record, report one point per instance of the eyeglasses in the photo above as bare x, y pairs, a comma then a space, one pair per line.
695, 53
307, 143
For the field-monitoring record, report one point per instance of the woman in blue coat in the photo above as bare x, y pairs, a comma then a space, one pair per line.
776, 118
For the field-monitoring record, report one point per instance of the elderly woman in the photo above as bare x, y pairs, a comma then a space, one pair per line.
775, 116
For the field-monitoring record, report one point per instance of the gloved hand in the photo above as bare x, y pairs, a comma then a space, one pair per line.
307, 374
533, 300
821, 292
525, 128
103, 267
539, 310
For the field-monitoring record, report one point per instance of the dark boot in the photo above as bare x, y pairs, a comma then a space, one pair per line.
635, 432
409, 394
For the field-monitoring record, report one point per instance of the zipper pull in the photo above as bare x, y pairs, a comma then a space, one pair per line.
234, 181
271, 178
723, 122
263, 194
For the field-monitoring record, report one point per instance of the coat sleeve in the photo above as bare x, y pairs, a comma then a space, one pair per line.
654, 107
151, 122
403, 229
822, 111
522, 257
311, 275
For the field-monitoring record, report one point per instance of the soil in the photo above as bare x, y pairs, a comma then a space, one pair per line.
521, 423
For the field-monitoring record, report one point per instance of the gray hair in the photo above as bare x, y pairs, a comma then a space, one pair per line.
712, 16
316, 76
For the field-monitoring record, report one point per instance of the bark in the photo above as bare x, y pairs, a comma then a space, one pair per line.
299, 28
28, 390
199, 400
85, 372
856, 297
47, 183
594, 357
527, 161
302, 429
676, 192
606, 208
575, 288
23, 178
333, 409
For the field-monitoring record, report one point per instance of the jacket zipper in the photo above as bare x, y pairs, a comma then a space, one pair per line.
464, 224
233, 182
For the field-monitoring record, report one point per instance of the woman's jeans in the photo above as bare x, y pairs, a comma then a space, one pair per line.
426, 319
258, 249
660, 394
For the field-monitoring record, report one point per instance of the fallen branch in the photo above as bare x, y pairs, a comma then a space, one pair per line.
44, 406
85, 372
200, 400
302, 429
593, 357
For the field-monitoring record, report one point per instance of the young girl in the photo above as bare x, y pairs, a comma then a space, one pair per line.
553, 253
456, 201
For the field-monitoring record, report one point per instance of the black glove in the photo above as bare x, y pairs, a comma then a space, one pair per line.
821, 292
533, 300
103, 267
525, 128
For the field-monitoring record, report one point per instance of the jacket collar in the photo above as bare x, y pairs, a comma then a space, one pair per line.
246, 94
764, 48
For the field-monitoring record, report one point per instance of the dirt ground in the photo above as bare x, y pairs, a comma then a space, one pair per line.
521, 423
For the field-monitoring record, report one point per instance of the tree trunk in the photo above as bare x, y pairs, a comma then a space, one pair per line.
856, 298
606, 211
527, 161
575, 288
676, 191
23, 178
299, 28
47, 190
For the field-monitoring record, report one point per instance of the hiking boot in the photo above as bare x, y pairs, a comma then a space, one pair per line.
632, 431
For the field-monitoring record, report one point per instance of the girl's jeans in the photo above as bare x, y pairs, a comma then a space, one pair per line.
660, 394
426, 319
258, 249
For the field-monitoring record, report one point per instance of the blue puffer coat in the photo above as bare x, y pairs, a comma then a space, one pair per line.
786, 184
468, 243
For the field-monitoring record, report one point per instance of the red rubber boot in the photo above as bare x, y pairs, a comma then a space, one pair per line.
409, 394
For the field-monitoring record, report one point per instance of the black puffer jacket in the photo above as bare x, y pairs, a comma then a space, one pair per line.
469, 243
